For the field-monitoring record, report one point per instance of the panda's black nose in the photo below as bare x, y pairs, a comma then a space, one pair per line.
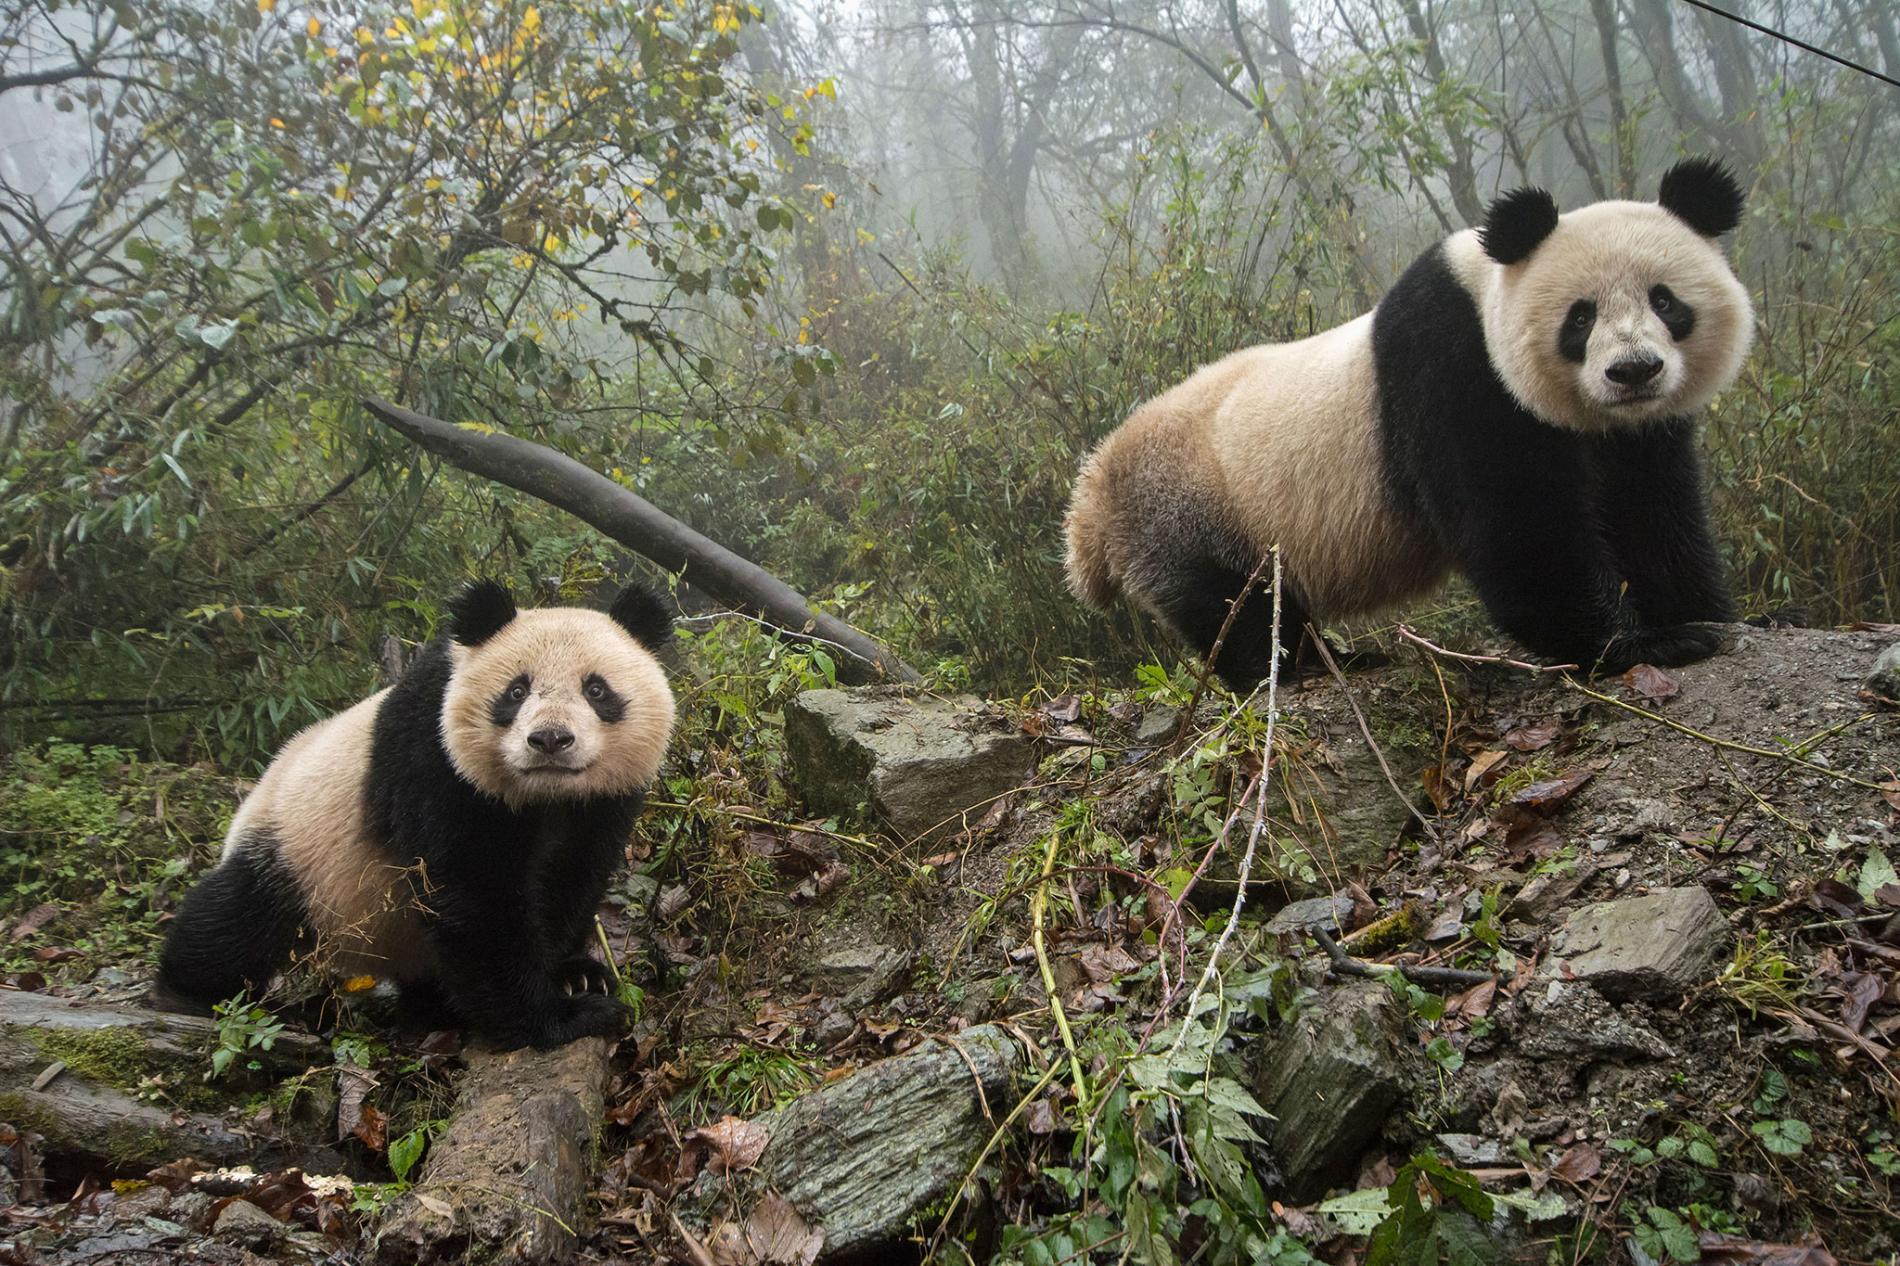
551, 740
1634, 371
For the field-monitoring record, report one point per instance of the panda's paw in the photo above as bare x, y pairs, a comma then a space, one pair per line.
583, 1015
584, 975
1664, 646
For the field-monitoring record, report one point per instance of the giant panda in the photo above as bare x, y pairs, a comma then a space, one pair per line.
1519, 406
455, 832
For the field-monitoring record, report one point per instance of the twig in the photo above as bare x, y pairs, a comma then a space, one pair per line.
1405, 632
1259, 817
1037, 904
1713, 741
1326, 656
1346, 965
1220, 639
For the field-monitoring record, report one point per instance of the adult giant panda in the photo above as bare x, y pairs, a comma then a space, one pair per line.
1519, 406
455, 832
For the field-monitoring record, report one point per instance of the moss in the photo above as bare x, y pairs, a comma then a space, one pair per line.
116, 1057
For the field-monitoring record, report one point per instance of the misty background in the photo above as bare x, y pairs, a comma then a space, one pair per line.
850, 288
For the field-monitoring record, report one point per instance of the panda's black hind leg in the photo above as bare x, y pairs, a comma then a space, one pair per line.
237, 927
1197, 604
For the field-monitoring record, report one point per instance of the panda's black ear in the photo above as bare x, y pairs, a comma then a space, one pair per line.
480, 611
640, 612
1702, 193
1516, 224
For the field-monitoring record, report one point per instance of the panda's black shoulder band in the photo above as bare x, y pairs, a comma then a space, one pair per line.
1702, 193
642, 613
1516, 224
481, 610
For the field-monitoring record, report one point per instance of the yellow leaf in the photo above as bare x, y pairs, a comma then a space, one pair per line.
357, 984
265, 6
314, 27
276, 122
830, 199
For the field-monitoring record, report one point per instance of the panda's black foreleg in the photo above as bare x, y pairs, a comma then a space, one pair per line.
1654, 512
503, 977
1197, 604
236, 929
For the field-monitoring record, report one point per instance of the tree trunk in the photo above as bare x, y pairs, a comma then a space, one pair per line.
69, 1071
636, 523
506, 1180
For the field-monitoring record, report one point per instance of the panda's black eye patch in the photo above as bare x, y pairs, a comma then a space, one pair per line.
506, 706
603, 699
1573, 340
1677, 317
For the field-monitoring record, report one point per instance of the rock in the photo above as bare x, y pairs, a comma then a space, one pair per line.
1329, 1079
860, 1158
860, 975
510, 1172
248, 1225
1655, 947
1545, 894
1883, 682
920, 762
1157, 725
1566, 1022
1472, 1150
1301, 916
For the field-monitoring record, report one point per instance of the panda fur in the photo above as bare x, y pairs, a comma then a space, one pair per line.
454, 833
1519, 407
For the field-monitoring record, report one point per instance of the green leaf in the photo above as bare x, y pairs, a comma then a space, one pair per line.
1875, 873
406, 1151
1785, 1137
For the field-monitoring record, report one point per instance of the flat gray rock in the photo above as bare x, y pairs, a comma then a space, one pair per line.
1655, 947
925, 765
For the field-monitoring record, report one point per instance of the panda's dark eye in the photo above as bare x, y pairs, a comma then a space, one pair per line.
596, 688
518, 691
1661, 300
1582, 316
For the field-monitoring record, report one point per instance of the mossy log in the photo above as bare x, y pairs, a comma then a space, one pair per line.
71, 1072
505, 1180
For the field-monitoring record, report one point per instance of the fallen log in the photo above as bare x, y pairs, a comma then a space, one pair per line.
858, 1160
641, 526
71, 1071
506, 1179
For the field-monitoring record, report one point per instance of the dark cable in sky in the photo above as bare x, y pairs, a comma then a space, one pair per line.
1785, 38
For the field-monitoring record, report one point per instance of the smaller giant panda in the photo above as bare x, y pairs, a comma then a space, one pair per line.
455, 832
1520, 406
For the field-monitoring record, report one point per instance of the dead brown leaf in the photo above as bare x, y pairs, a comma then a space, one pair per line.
1831, 896
1041, 1117
1531, 838
1579, 1165
35, 919
1535, 735
732, 1143
1482, 764
816, 886
55, 954
372, 1127
1105, 962
673, 899
1890, 792
1859, 991
1547, 795
1646, 681
774, 1235
353, 1084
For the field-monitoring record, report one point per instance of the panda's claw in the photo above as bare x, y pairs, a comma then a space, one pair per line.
583, 975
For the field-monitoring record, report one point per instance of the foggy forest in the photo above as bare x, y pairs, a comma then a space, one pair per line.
804, 315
